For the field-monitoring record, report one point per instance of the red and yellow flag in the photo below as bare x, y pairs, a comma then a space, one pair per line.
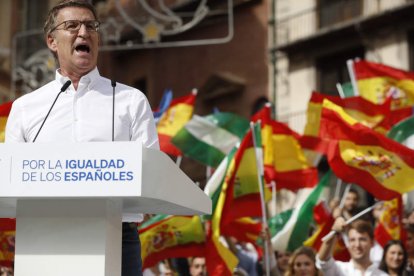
389, 226
176, 116
243, 229
377, 81
365, 112
246, 199
7, 239
283, 157
324, 222
360, 155
219, 259
4, 114
164, 237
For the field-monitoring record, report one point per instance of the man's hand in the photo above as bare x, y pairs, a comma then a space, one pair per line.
339, 225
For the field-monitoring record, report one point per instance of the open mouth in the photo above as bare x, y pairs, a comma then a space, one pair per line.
82, 48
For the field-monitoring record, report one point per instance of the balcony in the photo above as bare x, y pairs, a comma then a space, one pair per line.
336, 19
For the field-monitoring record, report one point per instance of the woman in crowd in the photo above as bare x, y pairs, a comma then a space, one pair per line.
394, 259
302, 263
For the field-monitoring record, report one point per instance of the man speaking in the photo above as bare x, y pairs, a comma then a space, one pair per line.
78, 106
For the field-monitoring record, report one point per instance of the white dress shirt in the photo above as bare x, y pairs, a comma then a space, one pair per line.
337, 268
83, 115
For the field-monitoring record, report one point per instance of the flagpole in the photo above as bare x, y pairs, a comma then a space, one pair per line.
259, 164
357, 216
350, 66
342, 203
338, 187
274, 199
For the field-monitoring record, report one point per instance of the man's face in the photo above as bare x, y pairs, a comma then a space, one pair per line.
283, 261
359, 245
351, 201
409, 243
77, 51
198, 267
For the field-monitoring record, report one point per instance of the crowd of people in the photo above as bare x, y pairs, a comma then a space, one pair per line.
366, 256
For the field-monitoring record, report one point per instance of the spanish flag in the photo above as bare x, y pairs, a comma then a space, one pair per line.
377, 81
7, 241
324, 222
283, 156
219, 259
164, 237
245, 190
4, 114
365, 112
389, 225
360, 155
177, 115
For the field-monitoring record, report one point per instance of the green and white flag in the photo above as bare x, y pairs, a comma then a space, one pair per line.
209, 139
296, 229
403, 132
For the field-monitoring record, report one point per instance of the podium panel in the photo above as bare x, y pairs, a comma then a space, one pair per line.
68, 200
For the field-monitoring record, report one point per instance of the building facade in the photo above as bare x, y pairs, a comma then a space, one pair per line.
313, 39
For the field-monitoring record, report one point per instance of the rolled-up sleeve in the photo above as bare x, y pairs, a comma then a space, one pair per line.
328, 267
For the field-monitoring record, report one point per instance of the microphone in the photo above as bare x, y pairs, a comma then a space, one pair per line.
63, 89
113, 84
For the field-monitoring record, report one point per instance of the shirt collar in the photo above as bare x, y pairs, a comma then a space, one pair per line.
370, 268
88, 79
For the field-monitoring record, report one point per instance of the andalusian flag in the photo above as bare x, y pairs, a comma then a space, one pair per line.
403, 132
357, 154
389, 226
164, 237
4, 114
176, 116
7, 241
283, 157
296, 230
209, 139
377, 81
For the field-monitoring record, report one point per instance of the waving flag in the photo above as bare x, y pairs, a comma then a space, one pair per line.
164, 237
365, 112
377, 81
403, 132
176, 116
324, 222
219, 259
283, 157
360, 155
296, 229
164, 104
389, 226
209, 139
4, 114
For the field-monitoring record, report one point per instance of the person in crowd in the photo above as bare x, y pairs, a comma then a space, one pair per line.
302, 263
360, 236
282, 260
197, 266
409, 246
247, 255
394, 260
351, 204
83, 112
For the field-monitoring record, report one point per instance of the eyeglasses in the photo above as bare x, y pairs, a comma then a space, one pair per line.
75, 25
